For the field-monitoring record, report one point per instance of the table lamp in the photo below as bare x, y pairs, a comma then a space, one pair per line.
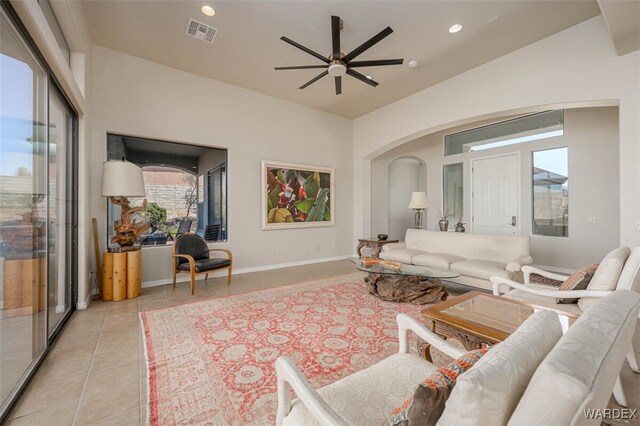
122, 179
418, 203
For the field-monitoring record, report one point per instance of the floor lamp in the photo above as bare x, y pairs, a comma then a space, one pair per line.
418, 203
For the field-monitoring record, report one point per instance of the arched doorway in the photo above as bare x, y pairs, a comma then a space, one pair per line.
406, 175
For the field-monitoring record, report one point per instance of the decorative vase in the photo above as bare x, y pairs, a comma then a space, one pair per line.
460, 226
444, 224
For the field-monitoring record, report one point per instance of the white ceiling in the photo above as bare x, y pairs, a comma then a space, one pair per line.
248, 44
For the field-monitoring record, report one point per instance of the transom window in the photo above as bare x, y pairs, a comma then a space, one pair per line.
529, 128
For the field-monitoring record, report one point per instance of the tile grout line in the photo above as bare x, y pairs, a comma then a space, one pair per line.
84, 387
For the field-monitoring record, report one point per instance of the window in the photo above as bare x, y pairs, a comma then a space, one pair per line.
551, 192
185, 188
452, 192
518, 130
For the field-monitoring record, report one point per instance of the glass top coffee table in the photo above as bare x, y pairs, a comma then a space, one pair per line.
476, 319
411, 284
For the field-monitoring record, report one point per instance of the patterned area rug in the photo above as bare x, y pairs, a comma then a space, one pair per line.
212, 362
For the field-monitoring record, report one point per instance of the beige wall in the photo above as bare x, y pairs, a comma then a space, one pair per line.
591, 134
576, 67
135, 97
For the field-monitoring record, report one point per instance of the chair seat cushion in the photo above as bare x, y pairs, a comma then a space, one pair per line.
400, 255
542, 301
436, 260
367, 397
483, 269
206, 265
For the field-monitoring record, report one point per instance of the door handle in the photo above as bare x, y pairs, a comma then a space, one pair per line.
513, 221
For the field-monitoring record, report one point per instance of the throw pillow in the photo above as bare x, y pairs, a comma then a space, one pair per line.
539, 279
579, 280
427, 403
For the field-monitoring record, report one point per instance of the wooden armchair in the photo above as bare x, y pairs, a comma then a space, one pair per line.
191, 254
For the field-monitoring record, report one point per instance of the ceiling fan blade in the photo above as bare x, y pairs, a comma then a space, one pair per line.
367, 44
375, 63
300, 67
361, 77
313, 80
335, 36
338, 85
305, 49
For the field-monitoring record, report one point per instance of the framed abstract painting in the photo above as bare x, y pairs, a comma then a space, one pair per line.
296, 196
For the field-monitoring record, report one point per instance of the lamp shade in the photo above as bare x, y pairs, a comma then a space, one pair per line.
122, 179
418, 200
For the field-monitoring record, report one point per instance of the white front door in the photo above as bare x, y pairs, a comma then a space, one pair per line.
495, 195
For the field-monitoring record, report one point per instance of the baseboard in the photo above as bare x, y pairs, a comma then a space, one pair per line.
184, 277
84, 305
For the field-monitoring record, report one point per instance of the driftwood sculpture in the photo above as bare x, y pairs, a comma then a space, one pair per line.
128, 230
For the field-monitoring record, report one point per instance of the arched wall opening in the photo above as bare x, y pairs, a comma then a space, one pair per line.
405, 175
592, 138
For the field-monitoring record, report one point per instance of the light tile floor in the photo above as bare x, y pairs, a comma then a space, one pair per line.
96, 373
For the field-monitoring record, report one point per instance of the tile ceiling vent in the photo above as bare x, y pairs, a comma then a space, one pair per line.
201, 31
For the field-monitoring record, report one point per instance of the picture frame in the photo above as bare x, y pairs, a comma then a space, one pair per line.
297, 196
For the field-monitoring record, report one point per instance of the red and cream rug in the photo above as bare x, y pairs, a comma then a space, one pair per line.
212, 362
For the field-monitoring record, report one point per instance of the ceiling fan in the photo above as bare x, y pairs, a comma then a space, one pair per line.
339, 64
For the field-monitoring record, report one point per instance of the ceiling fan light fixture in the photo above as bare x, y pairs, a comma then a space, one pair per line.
208, 10
455, 28
337, 70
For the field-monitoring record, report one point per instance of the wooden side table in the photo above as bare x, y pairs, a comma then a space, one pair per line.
372, 243
122, 278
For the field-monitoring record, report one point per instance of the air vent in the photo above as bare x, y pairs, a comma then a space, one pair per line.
201, 31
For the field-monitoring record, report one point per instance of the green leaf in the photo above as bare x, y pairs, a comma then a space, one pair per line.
316, 214
291, 176
281, 176
274, 196
305, 206
312, 186
327, 214
325, 180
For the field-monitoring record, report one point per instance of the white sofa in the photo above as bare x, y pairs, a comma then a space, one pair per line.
476, 257
536, 376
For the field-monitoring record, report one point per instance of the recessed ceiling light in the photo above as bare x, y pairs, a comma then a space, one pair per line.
413, 63
208, 10
493, 19
455, 28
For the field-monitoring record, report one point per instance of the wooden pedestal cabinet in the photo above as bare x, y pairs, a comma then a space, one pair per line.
122, 275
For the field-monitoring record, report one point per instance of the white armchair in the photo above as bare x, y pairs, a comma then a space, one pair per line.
502, 285
543, 296
313, 405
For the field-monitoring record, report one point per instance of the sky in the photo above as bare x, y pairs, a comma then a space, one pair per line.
16, 115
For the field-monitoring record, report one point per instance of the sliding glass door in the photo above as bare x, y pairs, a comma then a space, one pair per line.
37, 169
59, 289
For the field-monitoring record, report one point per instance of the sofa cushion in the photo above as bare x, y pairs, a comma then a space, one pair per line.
579, 280
400, 255
367, 397
580, 372
484, 269
426, 404
607, 275
488, 393
436, 260
541, 301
